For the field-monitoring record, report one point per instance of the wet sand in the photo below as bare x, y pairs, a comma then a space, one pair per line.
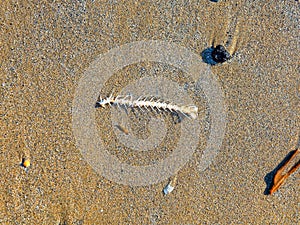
47, 47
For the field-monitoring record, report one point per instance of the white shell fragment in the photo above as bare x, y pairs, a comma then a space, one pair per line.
168, 189
171, 185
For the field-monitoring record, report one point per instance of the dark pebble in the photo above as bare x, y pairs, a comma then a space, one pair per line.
220, 54
97, 105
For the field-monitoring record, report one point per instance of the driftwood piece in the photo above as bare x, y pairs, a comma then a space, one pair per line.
279, 178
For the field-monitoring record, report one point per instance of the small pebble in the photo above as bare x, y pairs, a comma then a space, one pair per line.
220, 54
26, 163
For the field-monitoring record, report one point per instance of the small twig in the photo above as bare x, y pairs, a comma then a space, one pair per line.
279, 178
123, 129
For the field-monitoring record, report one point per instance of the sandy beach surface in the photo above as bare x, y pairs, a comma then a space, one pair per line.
48, 47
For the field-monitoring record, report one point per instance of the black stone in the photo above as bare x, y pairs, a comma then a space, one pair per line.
220, 54
97, 105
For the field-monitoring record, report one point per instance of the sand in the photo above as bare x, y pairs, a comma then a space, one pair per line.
47, 47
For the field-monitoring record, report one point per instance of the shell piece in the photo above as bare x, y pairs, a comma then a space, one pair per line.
171, 185
168, 189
